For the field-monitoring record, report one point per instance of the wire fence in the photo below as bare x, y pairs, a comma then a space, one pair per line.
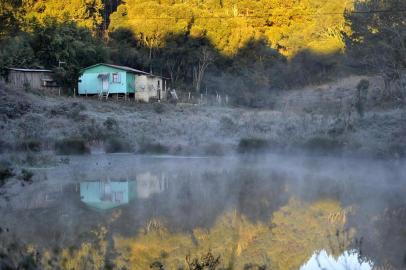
203, 98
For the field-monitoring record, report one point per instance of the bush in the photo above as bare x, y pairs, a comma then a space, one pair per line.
114, 145
5, 173
26, 175
361, 97
247, 145
323, 145
227, 124
110, 124
31, 145
214, 149
154, 148
159, 108
71, 147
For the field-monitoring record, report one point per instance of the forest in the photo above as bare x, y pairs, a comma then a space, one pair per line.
237, 47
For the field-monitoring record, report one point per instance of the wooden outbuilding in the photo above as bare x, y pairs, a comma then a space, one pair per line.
24, 78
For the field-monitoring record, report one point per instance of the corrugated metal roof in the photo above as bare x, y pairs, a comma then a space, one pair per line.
129, 69
30, 70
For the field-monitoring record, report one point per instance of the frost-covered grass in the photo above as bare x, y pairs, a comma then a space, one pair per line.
322, 118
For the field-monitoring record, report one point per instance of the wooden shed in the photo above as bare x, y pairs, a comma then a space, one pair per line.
106, 79
40, 79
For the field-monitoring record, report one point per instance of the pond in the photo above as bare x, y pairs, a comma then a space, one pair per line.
125, 211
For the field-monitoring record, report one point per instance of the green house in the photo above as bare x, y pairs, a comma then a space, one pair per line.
105, 79
105, 195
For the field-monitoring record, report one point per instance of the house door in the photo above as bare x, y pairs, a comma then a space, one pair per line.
105, 84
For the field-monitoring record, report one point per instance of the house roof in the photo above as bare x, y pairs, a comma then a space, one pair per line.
30, 69
129, 69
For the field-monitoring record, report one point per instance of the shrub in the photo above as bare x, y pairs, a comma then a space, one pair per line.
31, 145
154, 148
214, 149
159, 108
110, 124
71, 146
247, 145
361, 97
92, 131
227, 124
26, 175
5, 173
115, 145
363, 85
323, 145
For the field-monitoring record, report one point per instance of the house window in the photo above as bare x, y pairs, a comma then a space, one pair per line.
116, 78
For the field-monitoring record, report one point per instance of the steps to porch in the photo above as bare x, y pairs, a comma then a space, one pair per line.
104, 95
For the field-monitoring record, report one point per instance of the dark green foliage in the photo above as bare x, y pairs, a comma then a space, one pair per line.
159, 108
26, 175
111, 124
49, 43
249, 145
31, 145
363, 85
208, 262
16, 52
116, 145
323, 145
71, 146
361, 98
153, 148
377, 41
5, 173
157, 265
10, 17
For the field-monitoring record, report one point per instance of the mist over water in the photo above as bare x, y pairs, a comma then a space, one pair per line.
282, 212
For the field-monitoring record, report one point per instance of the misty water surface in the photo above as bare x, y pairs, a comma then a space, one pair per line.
274, 212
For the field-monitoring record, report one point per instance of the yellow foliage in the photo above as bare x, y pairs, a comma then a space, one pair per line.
293, 234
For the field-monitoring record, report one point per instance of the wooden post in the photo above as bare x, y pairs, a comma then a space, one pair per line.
189, 96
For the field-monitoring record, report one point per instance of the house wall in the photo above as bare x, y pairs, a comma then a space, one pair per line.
130, 82
89, 83
20, 79
92, 193
146, 87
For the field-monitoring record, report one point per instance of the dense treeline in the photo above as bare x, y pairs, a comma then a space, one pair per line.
240, 47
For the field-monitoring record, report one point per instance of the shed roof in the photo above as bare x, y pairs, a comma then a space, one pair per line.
30, 69
129, 69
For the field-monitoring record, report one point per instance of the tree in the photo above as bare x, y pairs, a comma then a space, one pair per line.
17, 52
86, 13
10, 17
69, 43
205, 57
378, 39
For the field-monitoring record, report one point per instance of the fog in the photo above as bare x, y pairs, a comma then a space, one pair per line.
342, 204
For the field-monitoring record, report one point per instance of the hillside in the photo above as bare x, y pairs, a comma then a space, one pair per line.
317, 120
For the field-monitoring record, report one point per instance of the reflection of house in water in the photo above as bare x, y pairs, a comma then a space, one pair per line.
148, 184
44, 196
113, 193
105, 194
